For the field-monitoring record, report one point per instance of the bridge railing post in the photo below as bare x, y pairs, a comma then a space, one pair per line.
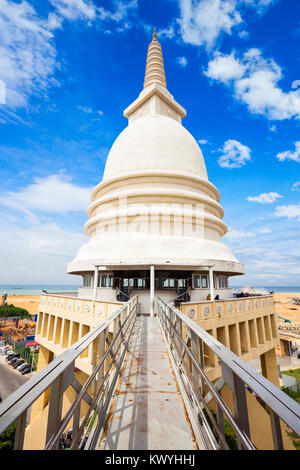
57, 390
276, 431
195, 353
20, 431
239, 398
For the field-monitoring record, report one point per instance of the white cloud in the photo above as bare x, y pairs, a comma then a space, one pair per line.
38, 254
254, 81
202, 141
203, 21
85, 109
88, 110
236, 234
233, 234
75, 9
260, 5
289, 154
52, 194
120, 14
265, 231
235, 154
244, 34
290, 211
265, 198
27, 50
27, 57
296, 186
168, 32
225, 68
268, 256
182, 61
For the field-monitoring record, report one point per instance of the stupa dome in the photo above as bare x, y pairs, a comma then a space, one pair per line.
155, 143
155, 204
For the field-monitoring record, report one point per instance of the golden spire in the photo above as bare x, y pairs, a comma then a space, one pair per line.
155, 71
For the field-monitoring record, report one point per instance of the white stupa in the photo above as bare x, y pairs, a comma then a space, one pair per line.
155, 222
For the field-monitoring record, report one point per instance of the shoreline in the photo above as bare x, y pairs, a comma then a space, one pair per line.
29, 302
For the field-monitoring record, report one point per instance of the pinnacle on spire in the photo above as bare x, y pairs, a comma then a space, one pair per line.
155, 71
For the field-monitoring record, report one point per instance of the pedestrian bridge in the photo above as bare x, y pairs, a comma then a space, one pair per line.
150, 389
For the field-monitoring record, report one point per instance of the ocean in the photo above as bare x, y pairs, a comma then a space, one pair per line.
278, 289
24, 289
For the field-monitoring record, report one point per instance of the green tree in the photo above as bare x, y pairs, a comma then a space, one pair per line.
7, 438
12, 311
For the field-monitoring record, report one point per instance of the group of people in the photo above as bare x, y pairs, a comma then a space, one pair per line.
65, 441
209, 297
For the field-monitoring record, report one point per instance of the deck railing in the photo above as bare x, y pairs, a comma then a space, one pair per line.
109, 342
222, 308
189, 346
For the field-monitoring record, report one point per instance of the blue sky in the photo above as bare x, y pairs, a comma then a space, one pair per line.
68, 69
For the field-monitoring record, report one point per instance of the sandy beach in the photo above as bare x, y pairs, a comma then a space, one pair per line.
285, 307
29, 302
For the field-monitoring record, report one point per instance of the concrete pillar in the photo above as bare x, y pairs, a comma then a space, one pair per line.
152, 290
95, 282
269, 366
211, 283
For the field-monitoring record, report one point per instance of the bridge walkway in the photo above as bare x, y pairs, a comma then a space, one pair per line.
147, 409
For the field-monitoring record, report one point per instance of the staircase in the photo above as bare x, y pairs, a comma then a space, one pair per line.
124, 294
183, 296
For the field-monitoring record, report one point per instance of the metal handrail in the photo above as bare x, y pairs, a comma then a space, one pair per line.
219, 400
59, 375
68, 416
236, 373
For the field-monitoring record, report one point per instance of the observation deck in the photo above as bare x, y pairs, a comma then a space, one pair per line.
138, 382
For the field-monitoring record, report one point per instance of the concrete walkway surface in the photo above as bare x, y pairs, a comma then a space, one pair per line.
147, 409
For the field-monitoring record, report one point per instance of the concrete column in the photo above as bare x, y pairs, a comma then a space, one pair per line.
269, 366
152, 290
62, 333
95, 282
43, 323
211, 283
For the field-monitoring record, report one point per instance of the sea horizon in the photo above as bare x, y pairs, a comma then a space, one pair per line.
36, 289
